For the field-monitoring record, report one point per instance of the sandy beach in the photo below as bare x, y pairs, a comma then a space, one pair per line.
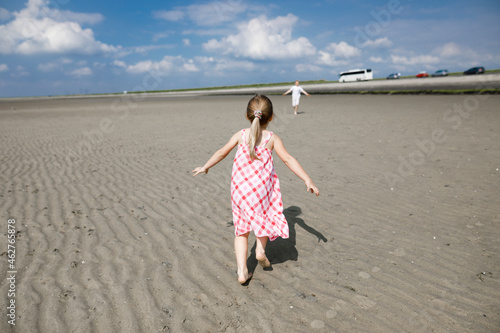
113, 234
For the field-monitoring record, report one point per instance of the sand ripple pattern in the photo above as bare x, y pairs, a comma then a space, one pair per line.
114, 234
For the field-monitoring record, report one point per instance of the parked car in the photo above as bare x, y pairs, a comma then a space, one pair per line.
441, 72
474, 70
394, 76
422, 74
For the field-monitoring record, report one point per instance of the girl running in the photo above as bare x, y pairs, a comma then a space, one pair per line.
255, 188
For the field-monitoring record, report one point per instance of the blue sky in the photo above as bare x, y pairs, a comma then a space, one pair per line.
54, 47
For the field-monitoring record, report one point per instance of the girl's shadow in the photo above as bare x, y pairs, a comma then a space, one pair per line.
281, 250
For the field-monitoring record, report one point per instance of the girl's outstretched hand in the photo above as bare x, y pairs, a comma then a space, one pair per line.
312, 188
199, 170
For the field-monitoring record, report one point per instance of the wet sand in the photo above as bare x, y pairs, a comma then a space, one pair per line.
115, 235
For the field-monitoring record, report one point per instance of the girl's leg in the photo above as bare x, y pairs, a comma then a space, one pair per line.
241, 250
260, 252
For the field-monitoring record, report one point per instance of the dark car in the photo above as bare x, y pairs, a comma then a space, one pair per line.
393, 76
474, 70
441, 72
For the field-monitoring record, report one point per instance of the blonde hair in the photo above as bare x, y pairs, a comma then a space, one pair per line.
263, 104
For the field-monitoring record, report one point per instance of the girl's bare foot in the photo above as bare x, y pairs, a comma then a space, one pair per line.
244, 278
262, 259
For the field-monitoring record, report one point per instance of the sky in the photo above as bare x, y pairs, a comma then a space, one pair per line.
59, 47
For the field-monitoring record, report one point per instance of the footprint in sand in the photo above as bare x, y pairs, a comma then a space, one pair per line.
318, 324
366, 275
399, 252
331, 314
361, 301
364, 302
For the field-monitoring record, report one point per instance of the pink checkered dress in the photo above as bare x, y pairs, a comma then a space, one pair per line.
255, 193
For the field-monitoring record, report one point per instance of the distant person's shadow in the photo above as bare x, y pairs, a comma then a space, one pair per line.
281, 250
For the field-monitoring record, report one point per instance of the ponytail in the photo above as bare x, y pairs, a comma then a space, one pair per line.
259, 112
253, 136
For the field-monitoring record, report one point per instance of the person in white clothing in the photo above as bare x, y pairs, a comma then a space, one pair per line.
296, 91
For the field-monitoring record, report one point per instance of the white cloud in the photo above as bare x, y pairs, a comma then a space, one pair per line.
380, 42
301, 68
338, 54
169, 15
55, 65
210, 14
4, 67
84, 71
41, 8
261, 38
48, 67
119, 63
39, 29
209, 65
216, 12
160, 35
209, 32
99, 65
454, 51
343, 49
189, 66
376, 59
414, 60
328, 59
145, 49
228, 65
66, 15
449, 50
162, 67
141, 67
453, 54
186, 42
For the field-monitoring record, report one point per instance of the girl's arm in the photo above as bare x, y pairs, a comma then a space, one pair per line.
287, 92
219, 155
293, 165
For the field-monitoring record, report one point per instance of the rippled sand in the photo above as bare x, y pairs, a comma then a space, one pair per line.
115, 235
